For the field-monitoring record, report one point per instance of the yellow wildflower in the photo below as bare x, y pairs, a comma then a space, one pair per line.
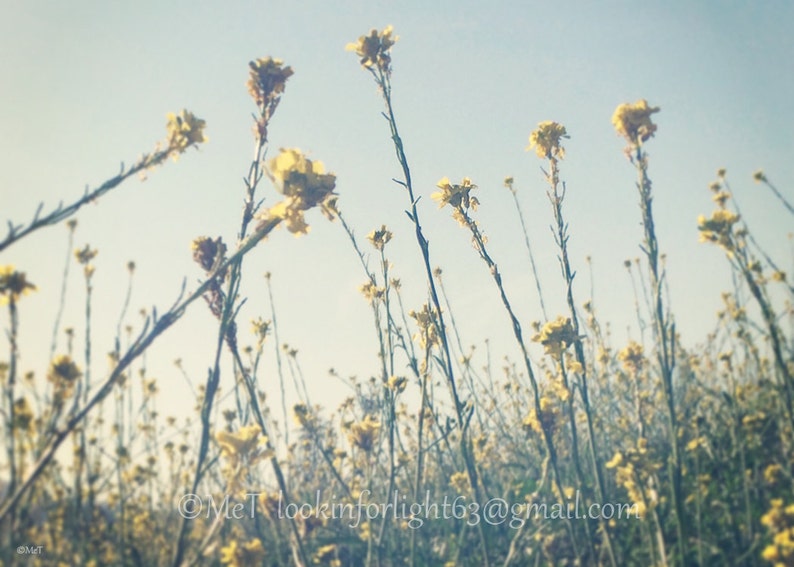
305, 185
251, 553
13, 284
426, 321
371, 291
396, 383
260, 329
455, 195
184, 130
208, 253
364, 433
633, 121
23, 415
267, 79
460, 482
632, 357
546, 140
380, 237
239, 444
718, 228
373, 49
84, 255
556, 336
63, 373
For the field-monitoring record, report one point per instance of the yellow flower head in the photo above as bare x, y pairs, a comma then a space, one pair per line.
251, 553
240, 443
556, 336
374, 49
718, 228
632, 357
184, 130
548, 418
364, 433
85, 255
371, 291
63, 373
260, 328
207, 252
633, 121
380, 237
23, 415
267, 79
546, 140
397, 383
455, 195
428, 331
13, 284
305, 185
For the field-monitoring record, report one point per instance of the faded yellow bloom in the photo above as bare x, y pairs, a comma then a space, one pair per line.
23, 416
260, 328
396, 383
208, 253
633, 121
546, 140
426, 321
548, 419
371, 291
363, 433
251, 553
63, 373
374, 49
759, 176
632, 357
13, 284
718, 228
304, 184
455, 195
267, 79
460, 482
380, 237
84, 255
556, 336
240, 444
184, 130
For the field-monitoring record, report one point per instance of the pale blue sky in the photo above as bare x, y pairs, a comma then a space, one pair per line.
87, 85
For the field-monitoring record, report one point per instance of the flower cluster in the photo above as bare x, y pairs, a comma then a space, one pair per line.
364, 433
184, 130
779, 522
208, 253
632, 357
267, 79
634, 470
428, 334
456, 195
305, 185
63, 373
633, 121
251, 553
556, 336
13, 284
380, 237
373, 49
718, 228
546, 141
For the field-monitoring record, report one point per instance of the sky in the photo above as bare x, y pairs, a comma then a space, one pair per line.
87, 85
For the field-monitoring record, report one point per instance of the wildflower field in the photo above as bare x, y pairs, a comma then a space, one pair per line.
557, 439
